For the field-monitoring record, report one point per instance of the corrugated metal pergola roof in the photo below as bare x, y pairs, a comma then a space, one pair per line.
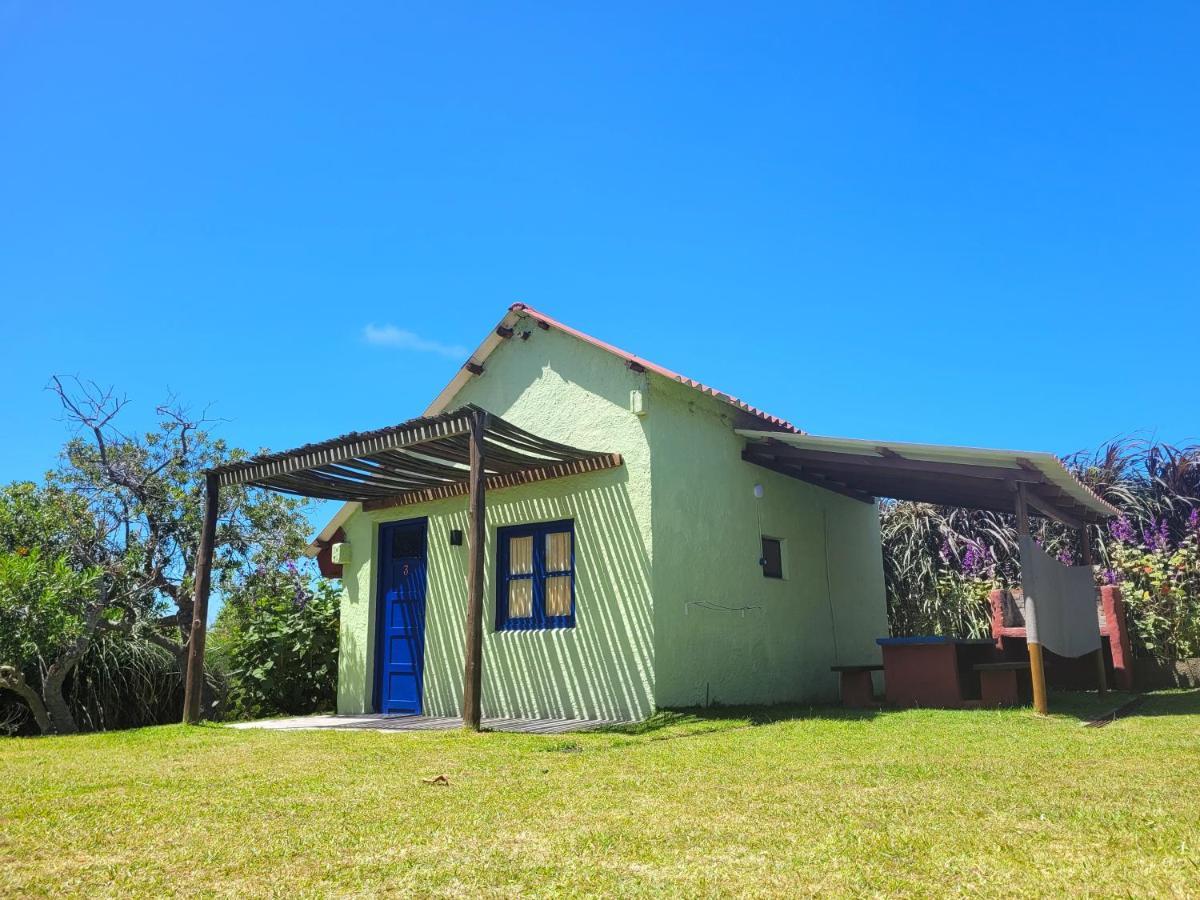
422, 459
931, 473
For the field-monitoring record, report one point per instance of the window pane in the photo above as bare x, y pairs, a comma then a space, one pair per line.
520, 555
408, 541
520, 598
772, 558
558, 551
558, 595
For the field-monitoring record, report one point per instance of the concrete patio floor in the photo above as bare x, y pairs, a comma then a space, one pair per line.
376, 722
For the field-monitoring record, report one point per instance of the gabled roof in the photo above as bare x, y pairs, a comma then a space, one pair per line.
504, 330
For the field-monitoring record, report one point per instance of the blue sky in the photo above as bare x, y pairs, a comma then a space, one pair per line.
947, 222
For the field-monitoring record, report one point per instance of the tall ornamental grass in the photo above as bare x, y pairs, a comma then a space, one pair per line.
941, 562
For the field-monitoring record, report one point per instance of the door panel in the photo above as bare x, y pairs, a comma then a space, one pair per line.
400, 649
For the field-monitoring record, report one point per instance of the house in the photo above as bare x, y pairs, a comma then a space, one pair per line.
646, 541
659, 597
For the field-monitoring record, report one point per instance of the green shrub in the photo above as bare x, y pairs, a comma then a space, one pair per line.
276, 643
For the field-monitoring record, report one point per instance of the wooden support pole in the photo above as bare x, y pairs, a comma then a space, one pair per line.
1085, 554
202, 577
1037, 671
473, 671
1037, 674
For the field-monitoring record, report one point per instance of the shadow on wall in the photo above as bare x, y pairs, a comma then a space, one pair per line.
603, 667
354, 660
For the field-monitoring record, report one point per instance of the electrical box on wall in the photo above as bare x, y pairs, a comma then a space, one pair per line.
637, 402
340, 554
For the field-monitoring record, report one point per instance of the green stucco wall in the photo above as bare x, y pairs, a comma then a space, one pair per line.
568, 391
661, 542
723, 632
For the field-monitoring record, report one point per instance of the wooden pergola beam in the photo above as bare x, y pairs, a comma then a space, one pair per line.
472, 710
799, 474
1050, 511
1037, 670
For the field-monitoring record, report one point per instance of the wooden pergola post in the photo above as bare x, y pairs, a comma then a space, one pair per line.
202, 576
1085, 553
473, 671
1037, 671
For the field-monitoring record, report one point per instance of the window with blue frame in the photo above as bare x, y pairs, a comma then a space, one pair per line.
535, 578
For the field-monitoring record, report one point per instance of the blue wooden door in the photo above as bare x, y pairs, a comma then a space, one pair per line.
400, 649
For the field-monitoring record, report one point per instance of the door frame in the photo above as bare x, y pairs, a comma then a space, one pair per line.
380, 608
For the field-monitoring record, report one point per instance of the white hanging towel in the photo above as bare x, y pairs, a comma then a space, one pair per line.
1060, 603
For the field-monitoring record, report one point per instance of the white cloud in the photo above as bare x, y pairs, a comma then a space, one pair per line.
399, 338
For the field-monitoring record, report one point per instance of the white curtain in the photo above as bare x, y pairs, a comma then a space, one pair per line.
1060, 603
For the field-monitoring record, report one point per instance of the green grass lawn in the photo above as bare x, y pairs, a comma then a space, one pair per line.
766, 803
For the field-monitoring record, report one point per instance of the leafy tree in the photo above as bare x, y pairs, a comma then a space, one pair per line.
105, 549
55, 591
146, 493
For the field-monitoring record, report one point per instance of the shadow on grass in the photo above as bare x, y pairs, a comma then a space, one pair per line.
1085, 706
1093, 708
704, 720
1174, 702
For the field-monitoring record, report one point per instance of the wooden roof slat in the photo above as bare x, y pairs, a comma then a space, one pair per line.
508, 454
308, 487
418, 431
312, 478
425, 457
404, 460
366, 470
450, 450
593, 463
510, 431
510, 446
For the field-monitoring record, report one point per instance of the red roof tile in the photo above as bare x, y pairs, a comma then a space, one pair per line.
655, 368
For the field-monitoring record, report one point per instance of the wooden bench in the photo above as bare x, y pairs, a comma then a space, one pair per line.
857, 689
998, 682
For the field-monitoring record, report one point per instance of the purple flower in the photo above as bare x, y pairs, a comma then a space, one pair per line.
1110, 576
1157, 535
1194, 519
300, 600
970, 560
1066, 557
944, 553
1121, 530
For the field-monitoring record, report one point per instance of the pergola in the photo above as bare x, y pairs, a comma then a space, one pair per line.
998, 480
466, 451
930, 473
